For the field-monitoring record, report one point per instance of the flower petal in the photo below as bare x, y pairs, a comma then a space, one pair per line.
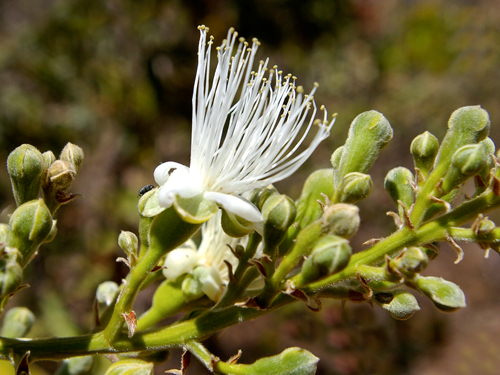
179, 182
236, 205
164, 170
180, 261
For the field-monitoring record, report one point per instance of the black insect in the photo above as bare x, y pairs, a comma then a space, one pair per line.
145, 189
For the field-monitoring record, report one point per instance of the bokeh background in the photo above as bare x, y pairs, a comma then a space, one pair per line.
116, 77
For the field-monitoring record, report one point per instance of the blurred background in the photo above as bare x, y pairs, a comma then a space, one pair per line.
116, 78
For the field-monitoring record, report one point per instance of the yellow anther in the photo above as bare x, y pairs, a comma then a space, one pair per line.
316, 84
242, 40
231, 30
202, 27
280, 72
300, 89
316, 122
322, 108
294, 78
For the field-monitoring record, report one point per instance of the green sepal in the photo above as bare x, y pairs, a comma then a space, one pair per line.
292, 361
279, 213
445, 295
399, 303
355, 187
368, 134
424, 149
195, 210
235, 226
17, 322
397, 184
26, 167
148, 205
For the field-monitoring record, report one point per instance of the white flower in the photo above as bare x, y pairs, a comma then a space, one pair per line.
247, 127
205, 262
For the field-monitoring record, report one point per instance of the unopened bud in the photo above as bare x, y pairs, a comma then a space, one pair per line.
424, 149
4, 232
17, 322
26, 168
76, 366
73, 154
11, 272
60, 175
279, 213
329, 256
466, 162
341, 220
446, 295
400, 304
368, 134
489, 149
467, 125
106, 293
355, 187
411, 261
235, 226
290, 361
191, 288
30, 224
49, 158
259, 196
131, 367
397, 184
484, 227
128, 242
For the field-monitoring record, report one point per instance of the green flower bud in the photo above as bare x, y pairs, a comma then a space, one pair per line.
368, 134
11, 272
128, 242
259, 196
400, 304
424, 149
30, 225
130, 367
410, 262
235, 226
49, 158
489, 149
17, 322
107, 292
446, 295
484, 227
330, 255
318, 183
60, 175
76, 366
355, 187
467, 125
341, 220
279, 213
26, 167
290, 361
397, 184
466, 162
73, 154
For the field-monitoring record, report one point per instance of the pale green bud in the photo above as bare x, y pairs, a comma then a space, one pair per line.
11, 272
60, 175
424, 149
411, 261
235, 226
466, 162
330, 255
400, 304
73, 154
128, 242
259, 196
279, 213
49, 158
131, 367
484, 227
30, 224
446, 295
290, 361
467, 125
26, 167
318, 184
489, 149
4, 232
341, 219
397, 184
355, 187
368, 134
17, 322
76, 366
107, 292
